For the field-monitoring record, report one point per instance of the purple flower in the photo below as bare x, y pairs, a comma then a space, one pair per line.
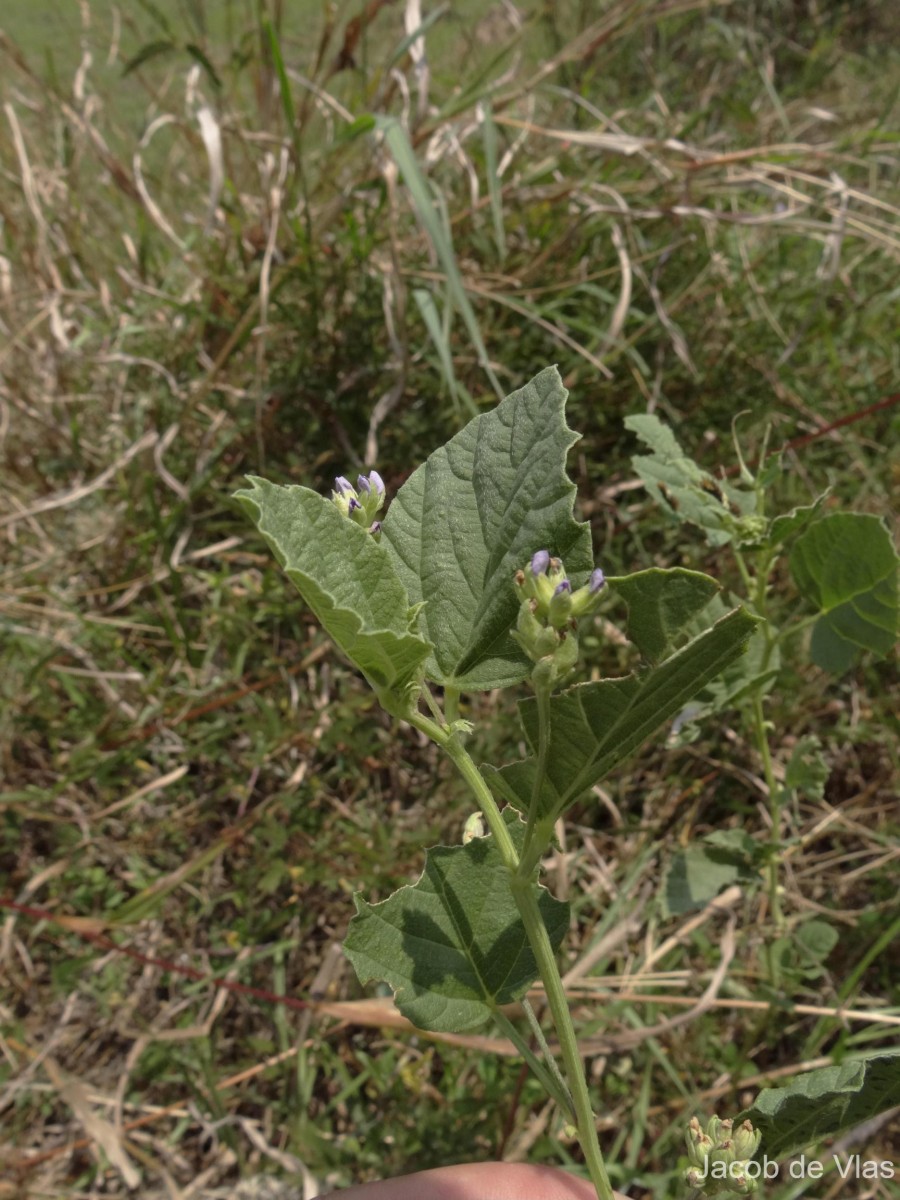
363, 484
598, 579
343, 485
353, 505
376, 482
375, 527
565, 586
540, 562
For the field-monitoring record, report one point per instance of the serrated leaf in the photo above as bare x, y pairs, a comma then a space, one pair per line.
474, 513
785, 526
807, 771
846, 565
823, 1103
345, 577
452, 946
595, 726
660, 605
755, 670
697, 874
679, 485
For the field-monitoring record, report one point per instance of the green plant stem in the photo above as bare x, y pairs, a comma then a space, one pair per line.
542, 690
547, 1073
526, 900
550, 1058
762, 742
451, 744
525, 894
757, 590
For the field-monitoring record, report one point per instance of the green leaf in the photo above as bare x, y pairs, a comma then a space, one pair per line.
785, 526
697, 874
595, 726
197, 54
345, 577
755, 670
736, 842
822, 1103
660, 604
438, 229
688, 492
846, 565
474, 513
807, 771
816, 939
146, 54
452, 946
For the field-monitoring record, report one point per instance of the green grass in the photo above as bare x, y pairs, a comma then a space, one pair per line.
187, 765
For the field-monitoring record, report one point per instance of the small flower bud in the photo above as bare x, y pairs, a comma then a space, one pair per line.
362, 505
540, 562
715, 1128
723, 1152
559, 610
598, 579
566, 657
698, 1148
375, 530
746, 1140
474, 828
743, 1184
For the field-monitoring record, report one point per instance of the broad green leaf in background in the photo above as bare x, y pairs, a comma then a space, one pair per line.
452, 946
816, 939
698, 873
822, 1103
596, 726
660, 604
846, 565
345, 577
688, 492
756, 669
785, 526
474, 513
807, 771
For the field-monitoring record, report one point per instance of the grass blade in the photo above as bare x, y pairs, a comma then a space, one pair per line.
420, 192
495, 190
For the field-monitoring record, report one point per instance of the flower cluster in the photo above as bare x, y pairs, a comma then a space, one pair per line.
720, 1155
361, 503
549, 608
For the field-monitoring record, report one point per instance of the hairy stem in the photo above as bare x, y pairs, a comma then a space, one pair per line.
525, 894
547, 1073
542, 689
762, 742
526, 899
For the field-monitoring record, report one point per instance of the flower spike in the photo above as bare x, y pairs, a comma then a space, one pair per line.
361, 503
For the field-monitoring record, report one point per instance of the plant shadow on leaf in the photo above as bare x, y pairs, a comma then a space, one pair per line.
452, 946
